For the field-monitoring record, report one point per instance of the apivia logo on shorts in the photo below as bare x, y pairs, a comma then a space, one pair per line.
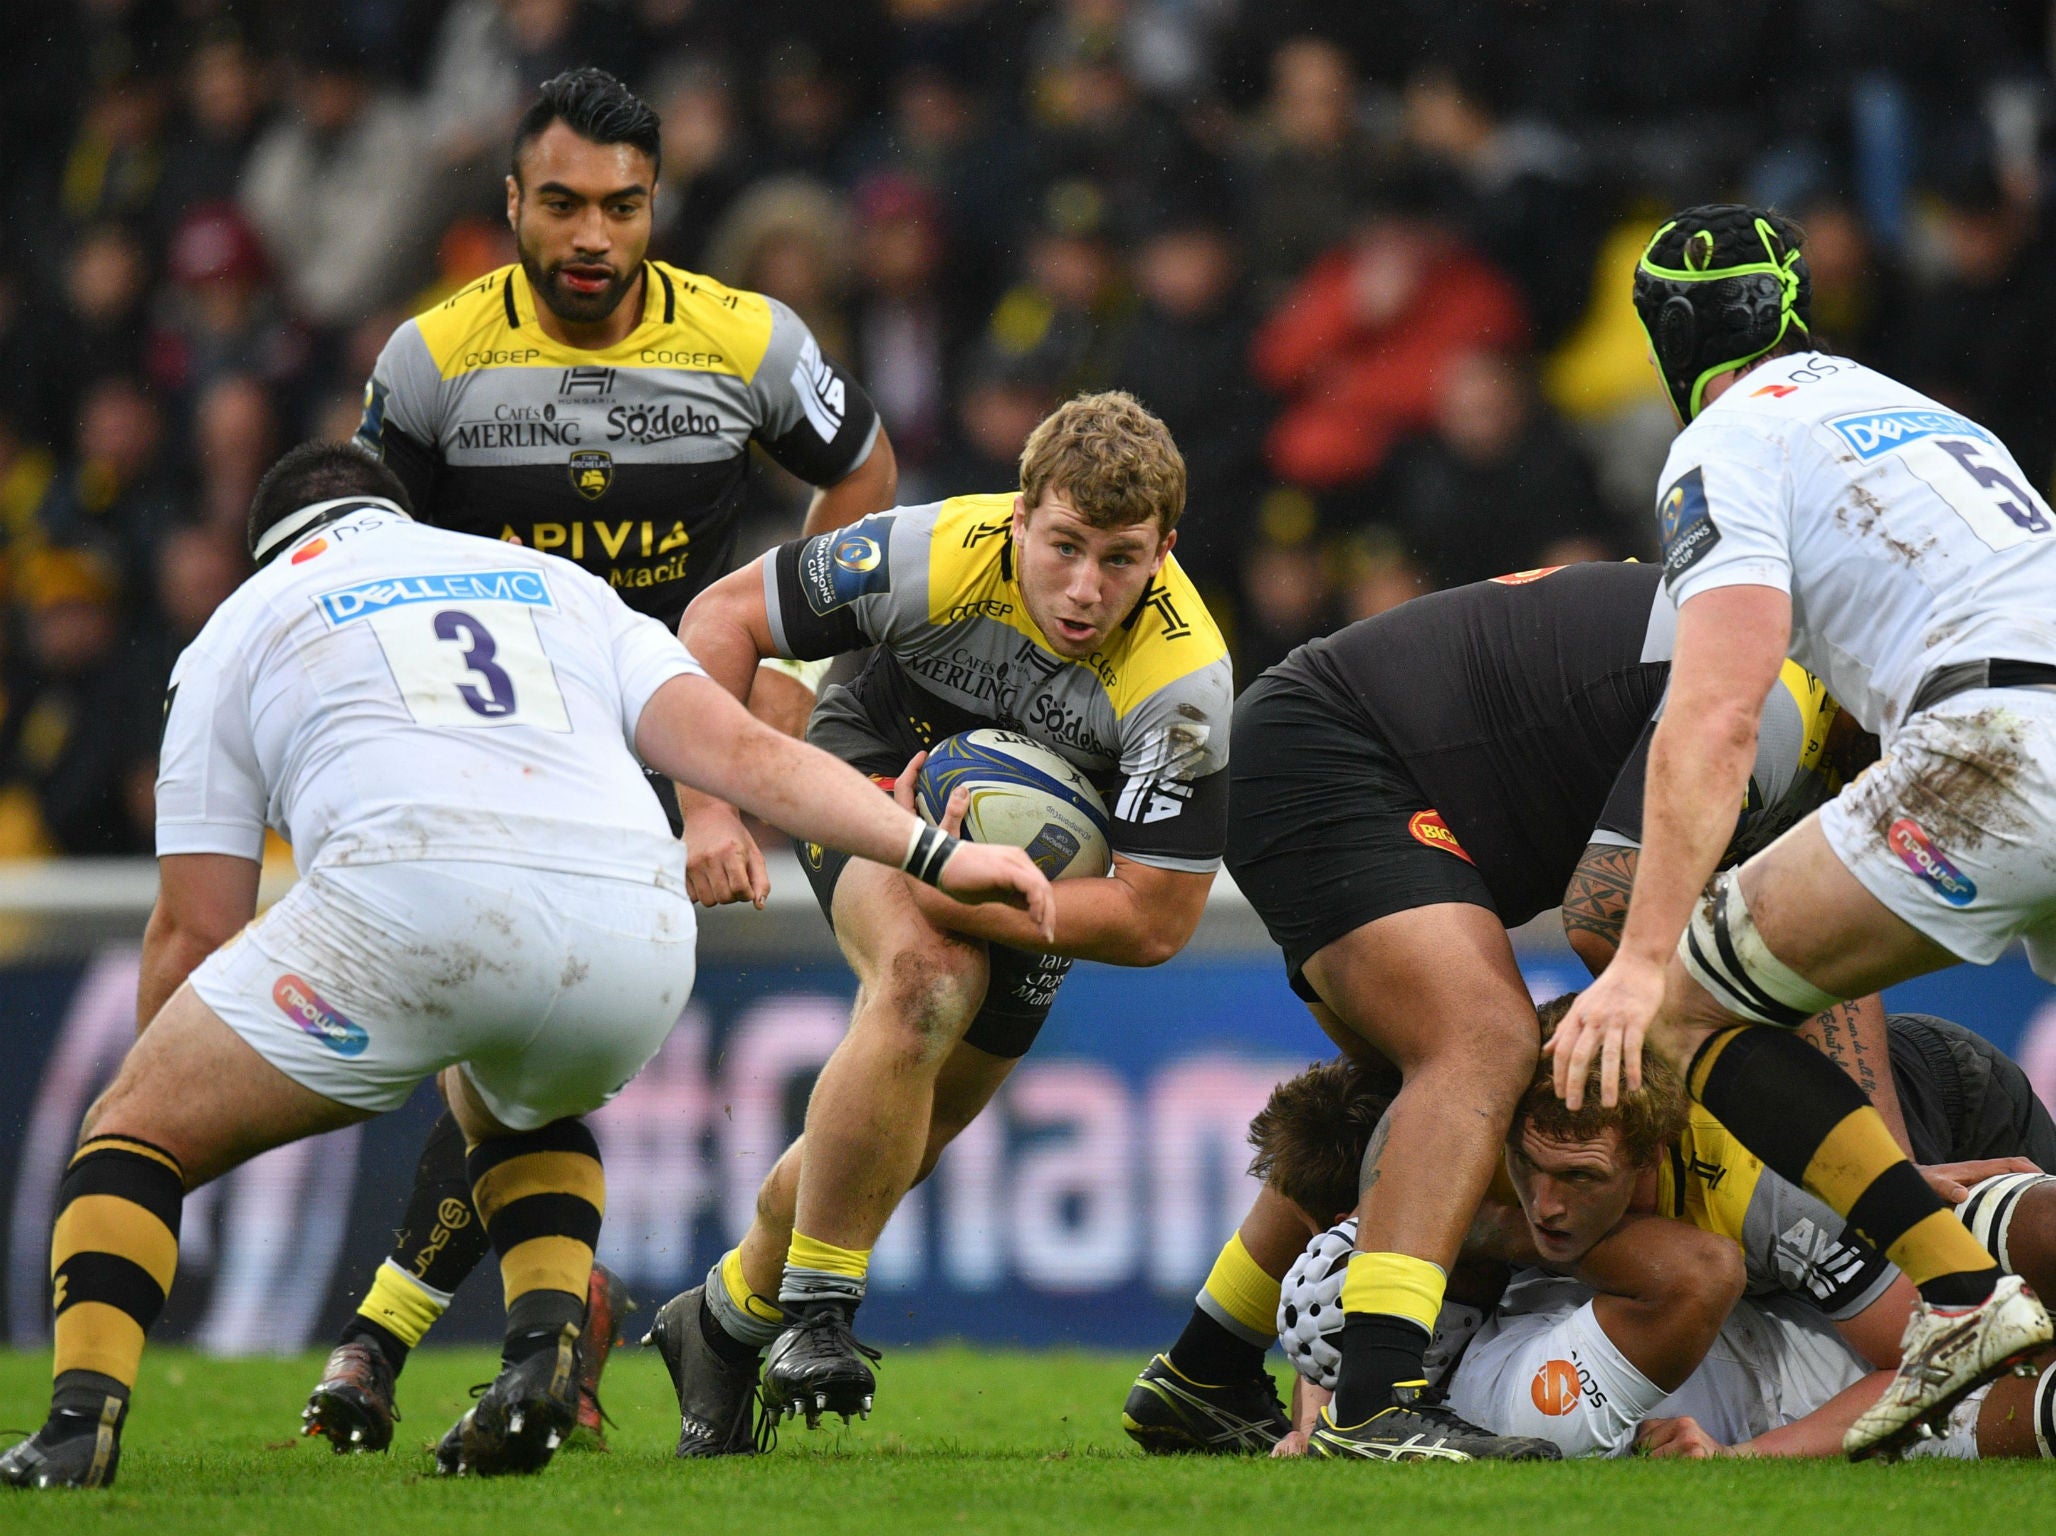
369, 597
1429, 827
303, 1005
1910, 840
1874, 432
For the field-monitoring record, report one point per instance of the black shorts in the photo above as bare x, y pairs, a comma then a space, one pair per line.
1963, 1097
1020, 987
1327, 830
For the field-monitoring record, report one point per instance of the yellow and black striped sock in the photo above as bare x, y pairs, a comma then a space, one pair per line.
113, 1253
541, 1194
1812, 1125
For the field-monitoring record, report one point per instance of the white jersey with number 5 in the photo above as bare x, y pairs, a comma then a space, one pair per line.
385, 691
1905, 533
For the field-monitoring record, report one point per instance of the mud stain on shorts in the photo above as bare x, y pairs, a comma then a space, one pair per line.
1966, 790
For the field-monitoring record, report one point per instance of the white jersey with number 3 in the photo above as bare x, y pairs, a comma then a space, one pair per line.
1905, 533
385, 691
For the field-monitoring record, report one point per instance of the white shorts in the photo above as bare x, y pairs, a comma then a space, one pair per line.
551, 989
1954, 829
1543, 1366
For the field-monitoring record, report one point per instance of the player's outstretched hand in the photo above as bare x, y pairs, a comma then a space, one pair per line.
722, 860
1954, 1181
1680, 1438
1607, 1024
979, 872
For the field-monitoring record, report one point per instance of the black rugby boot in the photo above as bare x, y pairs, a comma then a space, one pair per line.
71, 1450
1418, 1426
1167, 1414
714, 1396
522, 1417
817, 1366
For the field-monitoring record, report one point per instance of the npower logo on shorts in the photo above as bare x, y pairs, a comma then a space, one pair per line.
1909, 839
303, 1005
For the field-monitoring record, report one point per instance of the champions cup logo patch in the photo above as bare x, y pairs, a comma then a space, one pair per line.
838, 568
1429, 827
303, 1005
1910, 840
591, 471
1555, 1389
1684, 524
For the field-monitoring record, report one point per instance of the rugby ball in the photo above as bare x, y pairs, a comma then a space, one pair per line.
1023, 795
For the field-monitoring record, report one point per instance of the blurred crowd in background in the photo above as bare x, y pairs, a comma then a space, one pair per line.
1368, 258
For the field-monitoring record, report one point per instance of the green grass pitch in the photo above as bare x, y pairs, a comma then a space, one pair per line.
964, 1441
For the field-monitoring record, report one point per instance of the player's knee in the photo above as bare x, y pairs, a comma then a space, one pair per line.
928, 994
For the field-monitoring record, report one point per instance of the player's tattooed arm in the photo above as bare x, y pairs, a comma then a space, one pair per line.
1853, 1036
1595, 904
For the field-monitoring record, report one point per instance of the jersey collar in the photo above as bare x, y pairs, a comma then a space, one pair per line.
295, 527
517, 298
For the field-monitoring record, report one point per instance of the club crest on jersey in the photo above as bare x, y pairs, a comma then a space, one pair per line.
1684, 524
303, 1005
1917, 850
1429, 827
592, 471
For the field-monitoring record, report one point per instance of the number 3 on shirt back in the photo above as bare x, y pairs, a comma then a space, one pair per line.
479, 665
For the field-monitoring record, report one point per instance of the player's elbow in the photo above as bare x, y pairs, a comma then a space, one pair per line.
1155, 943
1595, 950
1702, 1281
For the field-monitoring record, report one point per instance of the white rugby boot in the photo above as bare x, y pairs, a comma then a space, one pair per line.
1947, 1353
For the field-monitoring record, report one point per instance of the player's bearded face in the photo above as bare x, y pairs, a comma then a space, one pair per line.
1572, 1192
581, 216
1079, 582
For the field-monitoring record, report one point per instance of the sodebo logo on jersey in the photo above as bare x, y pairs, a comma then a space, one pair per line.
1910, 840
303, 1005
369, 597
1874, 432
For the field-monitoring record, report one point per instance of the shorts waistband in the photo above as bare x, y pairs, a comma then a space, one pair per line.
1963, 676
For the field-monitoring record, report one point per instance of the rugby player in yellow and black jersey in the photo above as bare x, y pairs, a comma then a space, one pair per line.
1058, 613
595, 405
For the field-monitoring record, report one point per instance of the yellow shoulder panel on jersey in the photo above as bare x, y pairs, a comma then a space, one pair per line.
688, 321
1709, 1177
1171, 637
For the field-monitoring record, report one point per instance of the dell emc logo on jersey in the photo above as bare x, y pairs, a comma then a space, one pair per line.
1876, 432
369, 597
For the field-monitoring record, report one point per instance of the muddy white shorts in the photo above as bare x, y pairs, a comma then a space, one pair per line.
551, 989
1543, 1366
1954, 829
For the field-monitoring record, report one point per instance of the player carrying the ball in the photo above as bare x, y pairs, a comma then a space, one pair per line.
1057, 613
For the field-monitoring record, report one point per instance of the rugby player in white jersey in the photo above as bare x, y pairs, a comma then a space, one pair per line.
448, 730
1814, 508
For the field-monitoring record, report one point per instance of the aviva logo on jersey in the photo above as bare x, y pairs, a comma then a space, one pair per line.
368, 597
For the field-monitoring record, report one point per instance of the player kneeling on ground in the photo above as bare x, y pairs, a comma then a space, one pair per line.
1059, 614
416, 709
1613, 1304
